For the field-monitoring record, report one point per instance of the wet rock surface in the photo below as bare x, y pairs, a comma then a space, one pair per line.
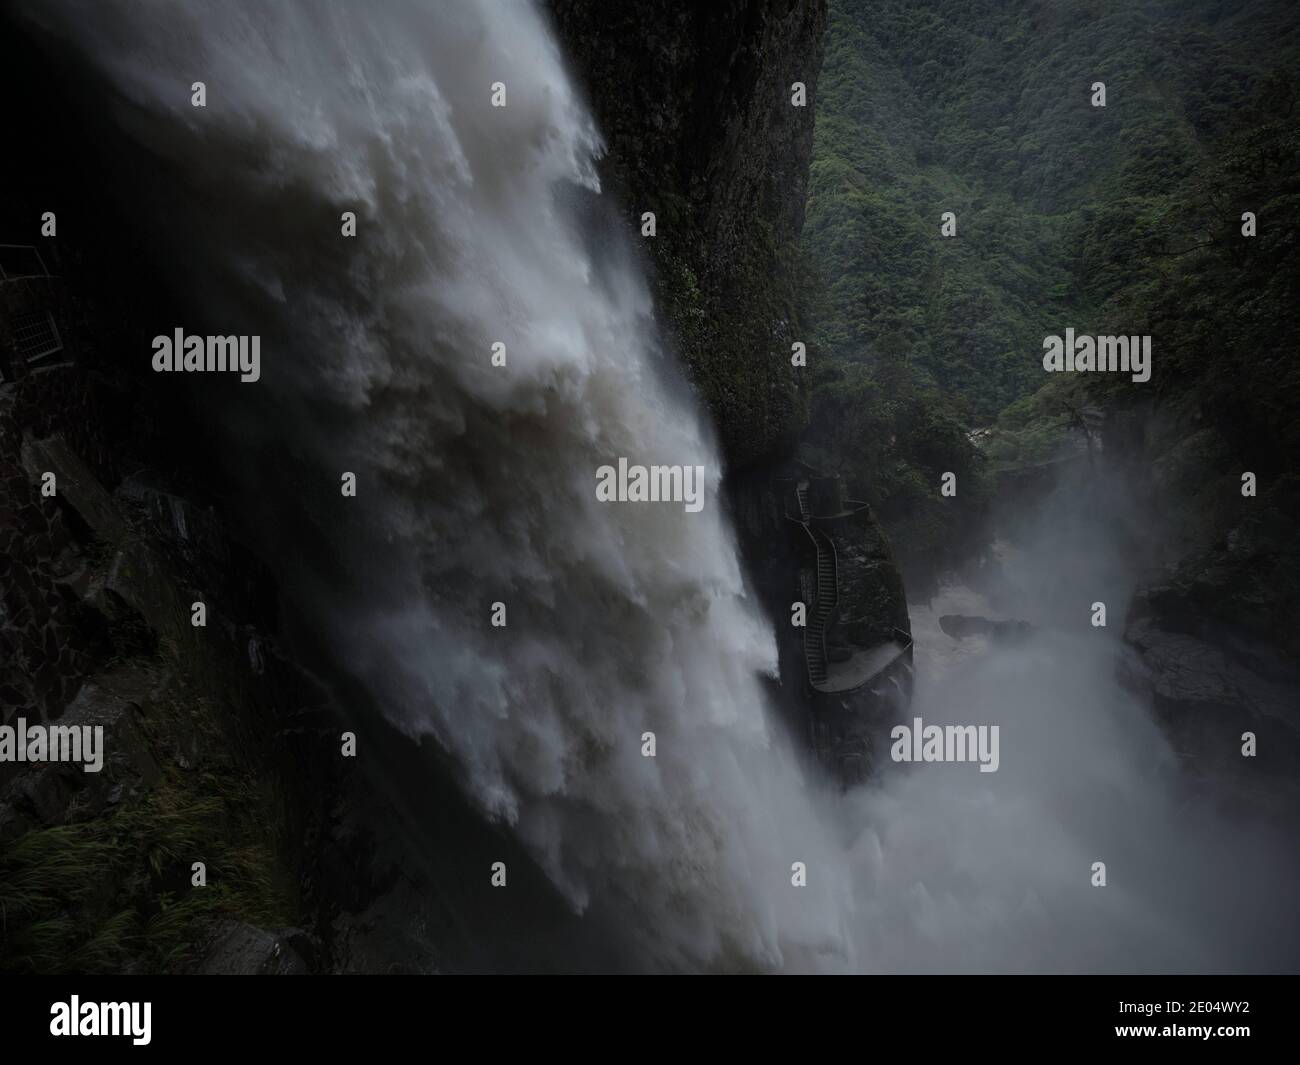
236, 949
962, 626
1216, 648
694, 102
1212, 684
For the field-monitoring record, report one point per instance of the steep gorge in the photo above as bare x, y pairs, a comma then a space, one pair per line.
523, 746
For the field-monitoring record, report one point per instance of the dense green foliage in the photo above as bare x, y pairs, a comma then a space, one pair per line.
1227, 382
1067, 215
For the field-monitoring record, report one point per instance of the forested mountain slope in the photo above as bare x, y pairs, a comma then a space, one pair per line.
986, 110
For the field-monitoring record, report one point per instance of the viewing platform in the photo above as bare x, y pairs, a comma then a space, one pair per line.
816, 503
863, 667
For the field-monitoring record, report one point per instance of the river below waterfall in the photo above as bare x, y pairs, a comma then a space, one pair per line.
994, 871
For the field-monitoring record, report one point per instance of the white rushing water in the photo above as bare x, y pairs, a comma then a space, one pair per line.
476, 485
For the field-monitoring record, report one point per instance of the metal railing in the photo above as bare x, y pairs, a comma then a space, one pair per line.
816, 658
12, 267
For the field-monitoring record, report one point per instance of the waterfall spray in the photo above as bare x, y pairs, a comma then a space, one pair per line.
394, 197
475, 482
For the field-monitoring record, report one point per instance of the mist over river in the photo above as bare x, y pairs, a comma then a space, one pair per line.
979, 872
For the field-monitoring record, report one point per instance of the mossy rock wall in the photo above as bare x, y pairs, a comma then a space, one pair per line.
694, 102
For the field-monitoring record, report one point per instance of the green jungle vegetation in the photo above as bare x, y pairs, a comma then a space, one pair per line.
1124, 218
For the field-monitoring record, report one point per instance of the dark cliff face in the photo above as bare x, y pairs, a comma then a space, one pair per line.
211, 737
694, 102
1213, 628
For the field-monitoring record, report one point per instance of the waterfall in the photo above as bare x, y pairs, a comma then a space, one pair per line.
476, 482
480, 225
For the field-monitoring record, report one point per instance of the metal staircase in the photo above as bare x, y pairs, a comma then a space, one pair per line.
827, 594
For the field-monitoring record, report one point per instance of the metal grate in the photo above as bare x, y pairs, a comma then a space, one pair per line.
36, 336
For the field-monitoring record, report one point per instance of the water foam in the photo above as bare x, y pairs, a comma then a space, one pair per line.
476, 485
